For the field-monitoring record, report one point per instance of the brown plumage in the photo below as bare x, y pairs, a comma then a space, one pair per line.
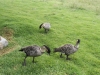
68, 49
34, 51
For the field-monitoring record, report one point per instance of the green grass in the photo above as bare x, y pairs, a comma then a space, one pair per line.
70, 20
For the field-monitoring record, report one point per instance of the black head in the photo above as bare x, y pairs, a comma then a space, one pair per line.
48, 49
40, 26
78, 41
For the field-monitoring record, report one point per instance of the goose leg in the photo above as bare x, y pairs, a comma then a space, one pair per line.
67, 57
33, 60
45, 31
24, 63
61, 55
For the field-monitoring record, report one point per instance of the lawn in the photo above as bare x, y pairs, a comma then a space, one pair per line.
70, 20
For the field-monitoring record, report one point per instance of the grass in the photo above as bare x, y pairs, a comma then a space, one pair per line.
70, 20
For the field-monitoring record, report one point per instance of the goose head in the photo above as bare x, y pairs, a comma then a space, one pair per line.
44, 47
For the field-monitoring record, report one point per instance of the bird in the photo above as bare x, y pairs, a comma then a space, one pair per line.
68, 49
34, 51
3, 42
46, 26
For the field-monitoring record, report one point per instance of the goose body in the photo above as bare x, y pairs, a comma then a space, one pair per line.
46, 26
34, 51
68, 49
3, 42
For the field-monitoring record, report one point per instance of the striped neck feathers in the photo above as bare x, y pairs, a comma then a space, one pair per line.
77, 44
57, 50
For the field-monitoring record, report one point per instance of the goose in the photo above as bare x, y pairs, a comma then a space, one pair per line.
34, 51
46, 26
68, 49
3, 42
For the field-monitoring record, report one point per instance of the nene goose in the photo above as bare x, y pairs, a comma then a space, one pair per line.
68, 49
3, 42
34, 51
46, 26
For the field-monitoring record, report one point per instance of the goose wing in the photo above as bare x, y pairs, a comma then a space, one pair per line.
68, 48
46, 25
32, 50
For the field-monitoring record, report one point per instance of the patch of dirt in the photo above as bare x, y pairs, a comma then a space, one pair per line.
8, 50
8, 34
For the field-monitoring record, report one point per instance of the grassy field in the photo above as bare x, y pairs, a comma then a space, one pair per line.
70, 20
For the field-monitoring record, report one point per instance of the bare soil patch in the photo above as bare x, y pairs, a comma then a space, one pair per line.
8, 34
